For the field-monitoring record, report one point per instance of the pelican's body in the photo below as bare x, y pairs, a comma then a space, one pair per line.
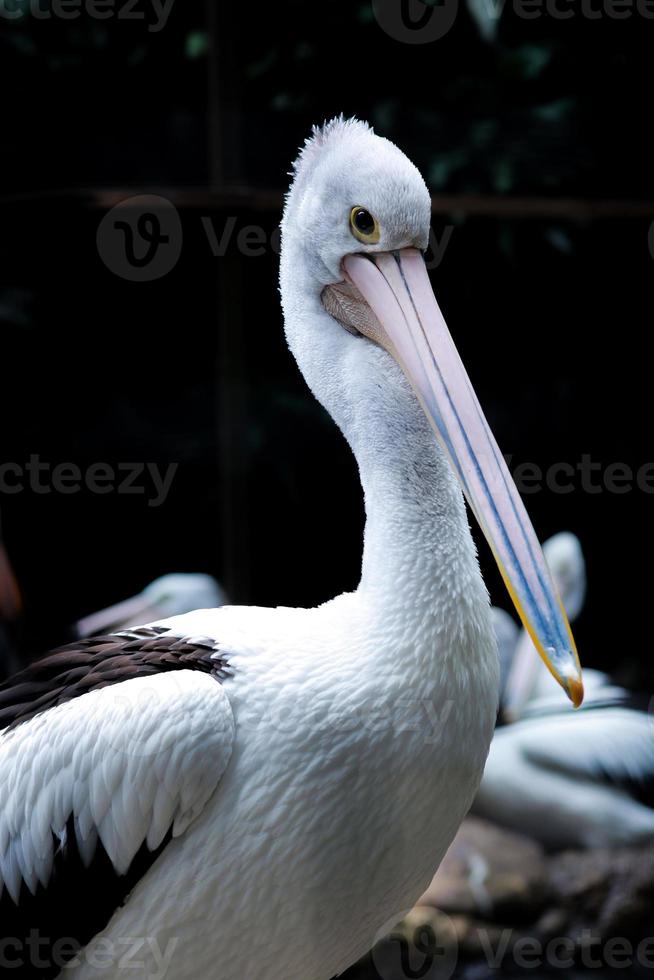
311, 766
350, 775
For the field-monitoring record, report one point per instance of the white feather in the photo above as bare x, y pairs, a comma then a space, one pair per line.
119, 777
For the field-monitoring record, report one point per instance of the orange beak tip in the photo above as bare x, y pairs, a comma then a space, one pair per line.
575, 691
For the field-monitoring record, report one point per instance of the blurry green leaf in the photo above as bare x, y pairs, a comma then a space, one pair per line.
442, 168
16, 307
61, 62
255, 69
527, 61
196, 44
555, 111
483, 131
304, 51
100, 36
365, 13
288, 101
137, 56
23, 43
502, 176
559, 239
384, 116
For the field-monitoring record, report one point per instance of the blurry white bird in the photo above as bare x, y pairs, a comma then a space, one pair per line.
570, 781
169, 595
270, 786
573, 781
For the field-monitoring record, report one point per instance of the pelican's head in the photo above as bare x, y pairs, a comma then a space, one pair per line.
346, 170
358, 305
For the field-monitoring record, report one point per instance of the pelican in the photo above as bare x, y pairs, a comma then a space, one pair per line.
169, 595
574, 781
249, 792
578, 781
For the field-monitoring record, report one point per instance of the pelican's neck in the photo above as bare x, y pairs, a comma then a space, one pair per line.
419, 560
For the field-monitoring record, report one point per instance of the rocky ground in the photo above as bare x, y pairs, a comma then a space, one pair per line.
500, 904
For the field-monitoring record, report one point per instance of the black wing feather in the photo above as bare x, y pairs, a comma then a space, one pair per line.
49, 929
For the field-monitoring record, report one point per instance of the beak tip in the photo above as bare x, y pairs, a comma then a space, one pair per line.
575, 691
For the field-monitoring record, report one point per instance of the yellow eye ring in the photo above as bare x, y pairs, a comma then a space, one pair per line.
363, 226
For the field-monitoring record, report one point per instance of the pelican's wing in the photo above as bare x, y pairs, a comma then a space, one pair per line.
611, 744
108, 748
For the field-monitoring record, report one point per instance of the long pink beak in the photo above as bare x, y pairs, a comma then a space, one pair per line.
122, 615
411, 327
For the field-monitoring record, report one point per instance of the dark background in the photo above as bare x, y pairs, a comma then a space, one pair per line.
535, 142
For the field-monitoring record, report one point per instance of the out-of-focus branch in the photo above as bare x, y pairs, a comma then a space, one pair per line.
261, 199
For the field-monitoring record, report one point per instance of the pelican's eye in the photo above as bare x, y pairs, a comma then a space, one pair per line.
363, 226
